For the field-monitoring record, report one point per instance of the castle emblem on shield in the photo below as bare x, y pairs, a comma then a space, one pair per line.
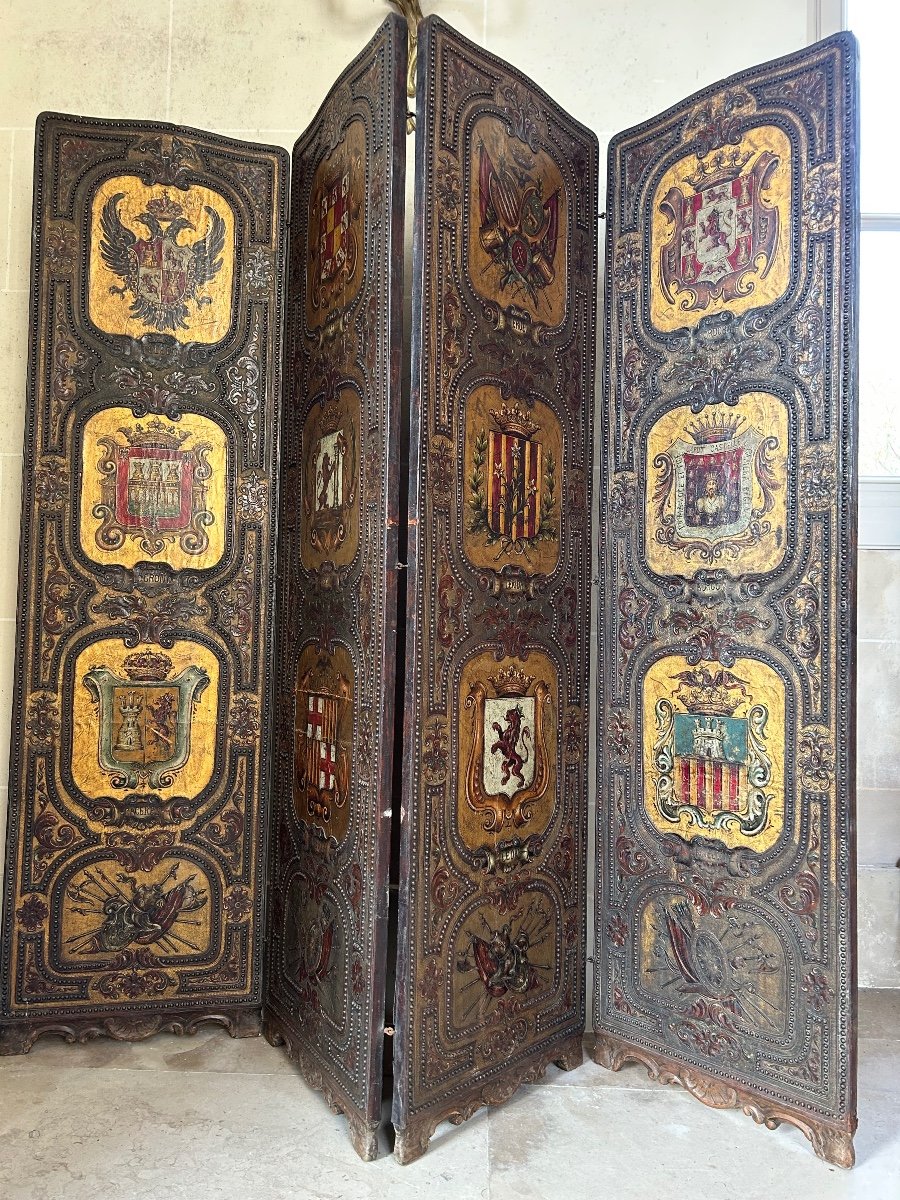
512, 488
519, 226
507, 769
724, 234
703, 498
322, 748
710, 753
162, 276
153, 489
145, 719
331, 488
333, 241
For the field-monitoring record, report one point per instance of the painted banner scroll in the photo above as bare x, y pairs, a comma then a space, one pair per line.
138, 806
490, 973
726, 726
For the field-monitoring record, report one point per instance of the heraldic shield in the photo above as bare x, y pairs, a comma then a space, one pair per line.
145, 720
508, 768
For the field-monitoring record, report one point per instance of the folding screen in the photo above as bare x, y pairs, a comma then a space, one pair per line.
138, 782
415, 728
490, 972
726, 735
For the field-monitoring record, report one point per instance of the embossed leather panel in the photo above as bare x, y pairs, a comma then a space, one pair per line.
491, 963
138, 798
337, 584
725, 809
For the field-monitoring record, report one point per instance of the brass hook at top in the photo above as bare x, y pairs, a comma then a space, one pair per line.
412, 11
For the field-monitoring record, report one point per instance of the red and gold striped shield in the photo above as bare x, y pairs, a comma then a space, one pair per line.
515, 470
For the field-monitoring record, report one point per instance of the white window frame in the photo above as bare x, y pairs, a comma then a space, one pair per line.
879, 496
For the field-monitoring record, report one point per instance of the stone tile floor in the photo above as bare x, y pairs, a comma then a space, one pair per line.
209, 1117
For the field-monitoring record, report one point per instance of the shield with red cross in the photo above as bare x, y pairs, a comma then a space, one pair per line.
321, 740
334, 225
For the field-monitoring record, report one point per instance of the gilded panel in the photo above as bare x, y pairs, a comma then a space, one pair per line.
518, 224
107, 912
717, 488
161, 260
726, 728
330, 483
144, 725
721, 230
714, 751
138, 817
508, 729
335, 267
323, 739
513, 478
153, 490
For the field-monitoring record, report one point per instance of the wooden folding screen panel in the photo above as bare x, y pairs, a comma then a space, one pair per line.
490, 973
138, 807
725, 811
337, 585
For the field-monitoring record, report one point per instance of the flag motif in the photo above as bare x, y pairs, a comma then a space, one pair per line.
321, 737
711, 786
515, 469
334, 223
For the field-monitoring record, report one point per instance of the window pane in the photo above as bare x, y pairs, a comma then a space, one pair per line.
877, 25
879, 393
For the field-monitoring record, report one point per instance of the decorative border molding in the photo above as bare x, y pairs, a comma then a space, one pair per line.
18, 1037
831, 1142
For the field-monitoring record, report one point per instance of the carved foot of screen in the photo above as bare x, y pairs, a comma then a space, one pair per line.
412, 1141
18, 1037
572, 1056
832, 1144
363, 1133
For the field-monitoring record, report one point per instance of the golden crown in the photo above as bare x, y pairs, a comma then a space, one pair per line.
511, 681
147, 665
155, 433
710, 694
722, 167
513, 419
711, 429
164, 208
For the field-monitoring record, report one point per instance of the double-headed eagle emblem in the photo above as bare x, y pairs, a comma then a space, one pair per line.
161, 275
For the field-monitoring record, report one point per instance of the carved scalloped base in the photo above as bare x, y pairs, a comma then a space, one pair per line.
17, 1037
833, 1143
412, 1141
363, 1133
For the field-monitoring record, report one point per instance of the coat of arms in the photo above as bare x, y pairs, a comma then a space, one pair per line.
145, 719
154, 490
512, 488
161, 275
508, 769
703, 499
723, 231
331, 488
519, 226
321, 749
710, 757
333, 239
